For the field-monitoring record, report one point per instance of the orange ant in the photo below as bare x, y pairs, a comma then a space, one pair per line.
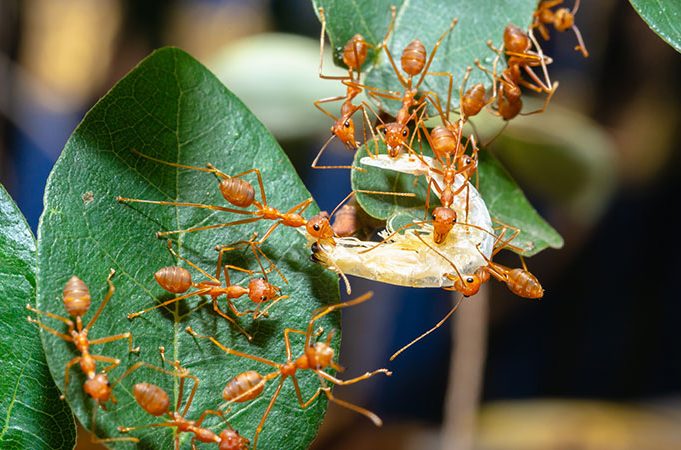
562, 19
413, 62
354, 56
76, 297
178, 280
317, 356
154, 400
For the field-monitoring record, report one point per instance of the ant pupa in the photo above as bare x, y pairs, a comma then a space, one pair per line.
77, 301
178, 280
354, 56
562, 19
155, 401
316, 357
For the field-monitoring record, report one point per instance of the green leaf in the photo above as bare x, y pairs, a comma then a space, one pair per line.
663, 17
426, 20
29, 400
505, 201
507, 204
171, 107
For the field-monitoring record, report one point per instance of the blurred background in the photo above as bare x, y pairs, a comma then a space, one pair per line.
596, 364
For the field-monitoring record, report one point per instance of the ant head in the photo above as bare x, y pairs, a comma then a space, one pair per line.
76, 297
319, 355
468, 284
355, 52
396, 136
151, 398
563, 19
232, 440
98, 387
515, 39
443, 221
260, 291
319, 227
344, 129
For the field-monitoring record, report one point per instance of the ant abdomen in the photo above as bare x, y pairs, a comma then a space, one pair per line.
151, 398
76, 297
515, 39
174, 279
355, 52
413, 58
473, 100
443, 140
345, 222
523, 283
237, 191
244, 382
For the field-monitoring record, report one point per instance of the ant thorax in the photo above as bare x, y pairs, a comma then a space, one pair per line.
411, 258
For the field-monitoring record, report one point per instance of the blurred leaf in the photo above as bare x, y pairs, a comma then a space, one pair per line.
505, 201
663, 17
171, 107
426, 20
29, 400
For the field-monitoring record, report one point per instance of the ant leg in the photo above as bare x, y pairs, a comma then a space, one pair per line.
117, 337
168, 302
318, 105
267, 412
321, 312
50, 330
257, 314
387, 238
322, 19
432, 53
231, 351
211, 227
113, 362
437, 325
581, 47
66, 320
182, 258
319, 155
403, 82
123, 429
97, 440
543, 58
206, 413
546, 102
224, 315
362, 377
75, 360
107, 297
287, 341
185, 204
365, 412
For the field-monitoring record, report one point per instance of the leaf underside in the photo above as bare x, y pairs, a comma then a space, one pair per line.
663, 17
29, 400
172, 108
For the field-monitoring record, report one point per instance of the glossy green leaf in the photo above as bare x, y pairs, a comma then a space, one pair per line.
504, 199
426, 20
29, 400
663, 17
173, 108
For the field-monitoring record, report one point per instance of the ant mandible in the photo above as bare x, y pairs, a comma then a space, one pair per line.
316, 357
77, 300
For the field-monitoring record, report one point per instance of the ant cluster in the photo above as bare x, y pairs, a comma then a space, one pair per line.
451, 248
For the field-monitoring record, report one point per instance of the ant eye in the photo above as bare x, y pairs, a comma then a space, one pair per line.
316, 227
347, 124
469, 280
263, 298
405, 132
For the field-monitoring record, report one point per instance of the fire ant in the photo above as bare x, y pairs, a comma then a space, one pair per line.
77, 300
178, 280
317, 356
354, 56
154, 400
562, 19
413, 62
